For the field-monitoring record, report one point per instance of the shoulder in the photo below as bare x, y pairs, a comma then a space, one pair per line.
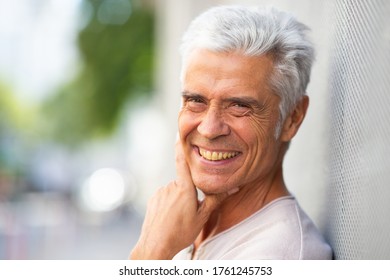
281, 230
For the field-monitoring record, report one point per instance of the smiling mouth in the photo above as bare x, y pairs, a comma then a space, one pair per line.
216, 156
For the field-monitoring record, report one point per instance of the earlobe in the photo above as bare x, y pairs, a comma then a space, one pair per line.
294, 120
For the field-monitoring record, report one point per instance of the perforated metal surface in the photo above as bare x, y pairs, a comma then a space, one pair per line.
359, 186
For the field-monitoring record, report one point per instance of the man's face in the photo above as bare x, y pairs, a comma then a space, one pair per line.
228, 119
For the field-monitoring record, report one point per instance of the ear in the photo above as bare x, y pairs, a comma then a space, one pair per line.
294, 120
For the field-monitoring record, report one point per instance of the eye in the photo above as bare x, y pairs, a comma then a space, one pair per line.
194, 103
195, 99
239, 109
240, 105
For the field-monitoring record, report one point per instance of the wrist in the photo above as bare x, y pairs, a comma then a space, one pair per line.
142, 253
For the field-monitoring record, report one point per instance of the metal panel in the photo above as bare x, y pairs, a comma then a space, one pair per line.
359, 191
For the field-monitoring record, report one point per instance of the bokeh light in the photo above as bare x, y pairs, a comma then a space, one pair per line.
104, 190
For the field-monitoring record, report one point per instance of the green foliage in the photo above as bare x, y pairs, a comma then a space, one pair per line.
17, 124
14, 115
117, 63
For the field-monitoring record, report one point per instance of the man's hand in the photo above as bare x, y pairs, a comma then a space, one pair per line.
174, 216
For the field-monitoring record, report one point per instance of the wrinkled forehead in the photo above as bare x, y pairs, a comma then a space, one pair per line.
226, 70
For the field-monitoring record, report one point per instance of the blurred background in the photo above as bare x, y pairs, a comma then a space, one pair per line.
80, 132
89, 95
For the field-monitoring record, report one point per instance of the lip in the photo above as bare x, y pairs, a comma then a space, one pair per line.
221, 161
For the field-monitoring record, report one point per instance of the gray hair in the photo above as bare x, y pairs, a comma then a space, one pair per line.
254, 31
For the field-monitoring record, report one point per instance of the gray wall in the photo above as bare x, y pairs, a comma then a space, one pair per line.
359, 164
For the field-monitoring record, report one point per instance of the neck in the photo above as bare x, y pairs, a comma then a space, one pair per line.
243, 204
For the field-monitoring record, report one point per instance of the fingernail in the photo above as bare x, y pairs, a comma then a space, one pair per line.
233, 191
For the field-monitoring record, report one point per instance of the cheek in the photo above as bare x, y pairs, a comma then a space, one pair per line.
186, 123
261, 127
264, 124
259, 136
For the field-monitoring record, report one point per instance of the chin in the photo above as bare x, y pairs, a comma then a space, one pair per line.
212, 186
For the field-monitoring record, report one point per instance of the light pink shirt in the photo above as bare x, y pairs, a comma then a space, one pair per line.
280, 230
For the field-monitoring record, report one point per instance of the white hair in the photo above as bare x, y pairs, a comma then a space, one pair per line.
254, 31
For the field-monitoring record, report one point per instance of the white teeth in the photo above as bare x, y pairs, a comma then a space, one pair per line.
214, 156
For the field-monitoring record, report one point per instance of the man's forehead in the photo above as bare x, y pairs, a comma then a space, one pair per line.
234, 69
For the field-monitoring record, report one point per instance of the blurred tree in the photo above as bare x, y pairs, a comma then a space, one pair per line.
17, 125
116, 47
14, 114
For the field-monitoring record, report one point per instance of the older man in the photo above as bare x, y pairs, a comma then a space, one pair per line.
244, 77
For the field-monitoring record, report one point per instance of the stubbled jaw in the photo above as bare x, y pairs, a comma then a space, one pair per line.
215, 156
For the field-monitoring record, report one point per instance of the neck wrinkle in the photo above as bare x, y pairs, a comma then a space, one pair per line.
242, 205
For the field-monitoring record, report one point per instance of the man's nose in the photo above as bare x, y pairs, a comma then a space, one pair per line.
213, 125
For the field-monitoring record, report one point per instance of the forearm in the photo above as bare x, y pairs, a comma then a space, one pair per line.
143, 251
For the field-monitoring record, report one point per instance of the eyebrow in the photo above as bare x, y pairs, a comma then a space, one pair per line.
191, 94
244, 99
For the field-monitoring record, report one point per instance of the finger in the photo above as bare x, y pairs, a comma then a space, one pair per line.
211, 203
183, 174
